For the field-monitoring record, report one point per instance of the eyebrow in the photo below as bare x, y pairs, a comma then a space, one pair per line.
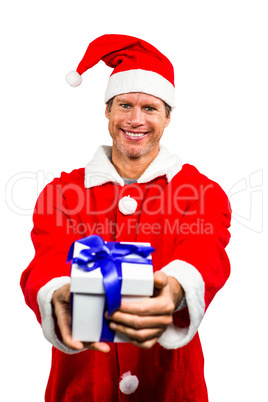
122, 99
153, 103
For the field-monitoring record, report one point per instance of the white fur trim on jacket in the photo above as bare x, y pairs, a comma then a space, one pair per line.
194, 288
100, 170
44, 301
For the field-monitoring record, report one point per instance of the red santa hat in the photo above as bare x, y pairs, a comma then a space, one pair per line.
137, 67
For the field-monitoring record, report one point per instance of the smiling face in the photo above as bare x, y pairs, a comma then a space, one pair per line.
136, 124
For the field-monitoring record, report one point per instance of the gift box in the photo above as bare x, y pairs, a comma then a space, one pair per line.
103, 274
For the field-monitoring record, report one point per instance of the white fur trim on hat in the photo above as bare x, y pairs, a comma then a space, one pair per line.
129, 383
144, 81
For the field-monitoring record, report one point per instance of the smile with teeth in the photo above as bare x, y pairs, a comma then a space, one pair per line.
134, 135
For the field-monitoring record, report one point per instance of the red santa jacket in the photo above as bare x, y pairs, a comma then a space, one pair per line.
185, 216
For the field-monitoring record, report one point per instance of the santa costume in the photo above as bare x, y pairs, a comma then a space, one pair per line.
184, 215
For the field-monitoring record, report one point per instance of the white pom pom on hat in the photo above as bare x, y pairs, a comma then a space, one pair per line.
129, 383
74, 79
137, 67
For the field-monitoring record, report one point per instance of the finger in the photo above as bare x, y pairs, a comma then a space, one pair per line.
151, 306
144, 345
64, 323
63, 315
99, 346
140, 335
71, 343
62, 294
160, 279
67, 337
141, 322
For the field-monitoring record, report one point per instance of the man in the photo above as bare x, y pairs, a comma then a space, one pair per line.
133, 191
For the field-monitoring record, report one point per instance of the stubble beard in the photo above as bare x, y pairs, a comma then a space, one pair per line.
133, 152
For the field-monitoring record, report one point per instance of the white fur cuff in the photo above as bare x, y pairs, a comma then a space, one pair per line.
192, 282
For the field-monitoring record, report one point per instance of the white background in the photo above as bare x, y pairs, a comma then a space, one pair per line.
219, 52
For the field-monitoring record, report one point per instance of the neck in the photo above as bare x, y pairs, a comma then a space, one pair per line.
131, 168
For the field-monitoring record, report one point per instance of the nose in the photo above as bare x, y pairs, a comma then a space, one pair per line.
136, 117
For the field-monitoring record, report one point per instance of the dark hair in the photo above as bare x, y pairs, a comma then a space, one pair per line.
167, 107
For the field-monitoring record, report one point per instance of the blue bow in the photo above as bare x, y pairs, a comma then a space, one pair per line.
109, 257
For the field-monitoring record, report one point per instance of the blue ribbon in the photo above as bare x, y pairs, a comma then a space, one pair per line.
108, 257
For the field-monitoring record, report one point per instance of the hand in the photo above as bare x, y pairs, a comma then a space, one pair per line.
62, 306
145, 321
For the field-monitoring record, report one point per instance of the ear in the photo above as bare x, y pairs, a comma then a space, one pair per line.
107, 113
168, 120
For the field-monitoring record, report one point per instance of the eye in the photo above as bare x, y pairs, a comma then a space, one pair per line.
125, 105
150, 109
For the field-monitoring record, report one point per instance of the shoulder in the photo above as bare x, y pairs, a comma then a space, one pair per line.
190, 178
62, 185
76, 176
190, 174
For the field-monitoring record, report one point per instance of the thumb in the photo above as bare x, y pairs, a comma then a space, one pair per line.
160, 279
